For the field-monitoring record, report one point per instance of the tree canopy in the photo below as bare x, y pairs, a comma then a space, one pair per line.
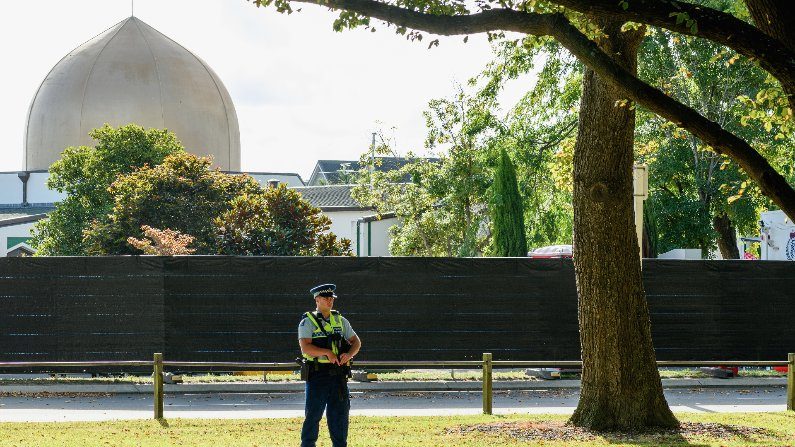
620, 384
182, 202
507, 212
276, 222
574, 24
85, 173
182, 193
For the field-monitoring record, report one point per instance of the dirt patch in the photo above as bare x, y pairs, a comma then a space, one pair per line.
559, 431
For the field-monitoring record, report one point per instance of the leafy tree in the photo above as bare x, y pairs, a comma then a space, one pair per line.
539, 134
442, 210
182, 194
277, 222
772, 45
327, 244
621, 386
702, 198
84, 174
431, 217
507, 213
162, 242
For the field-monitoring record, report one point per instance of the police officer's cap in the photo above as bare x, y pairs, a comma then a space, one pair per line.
323, 290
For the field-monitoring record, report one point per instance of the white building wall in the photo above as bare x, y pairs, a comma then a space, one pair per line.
21, 230
341, 222
373, 237
38, 191
379, 236
681, 253
10, 188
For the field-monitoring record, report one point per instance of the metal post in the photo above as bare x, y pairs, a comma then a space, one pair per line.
791, 381
487, 390
158, 378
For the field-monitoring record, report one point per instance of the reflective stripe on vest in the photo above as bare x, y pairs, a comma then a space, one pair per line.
334, 325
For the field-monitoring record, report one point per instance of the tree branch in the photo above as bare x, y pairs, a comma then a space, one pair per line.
773, 54
557, 26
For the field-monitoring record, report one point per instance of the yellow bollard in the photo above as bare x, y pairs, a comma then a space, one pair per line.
158, 378
791, 381
487, 390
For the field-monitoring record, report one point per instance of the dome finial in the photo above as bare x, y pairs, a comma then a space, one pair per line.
132, 8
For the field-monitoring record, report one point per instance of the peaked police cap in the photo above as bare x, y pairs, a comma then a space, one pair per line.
324, 290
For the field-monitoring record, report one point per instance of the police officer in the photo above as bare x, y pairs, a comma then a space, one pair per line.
328, 343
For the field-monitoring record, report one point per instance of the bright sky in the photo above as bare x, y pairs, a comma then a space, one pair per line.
302, 92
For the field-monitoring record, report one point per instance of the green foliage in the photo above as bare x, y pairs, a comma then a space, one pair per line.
507, 212
697, 183
651, 230
85, 173
181, 194
277, 222
539, 132
222, 213
443, 208
162, 242
690, 185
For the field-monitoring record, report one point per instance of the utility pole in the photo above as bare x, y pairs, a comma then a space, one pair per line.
372, 160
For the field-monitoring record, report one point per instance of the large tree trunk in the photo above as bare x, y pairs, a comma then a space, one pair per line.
775, 18
621, 386
727, 237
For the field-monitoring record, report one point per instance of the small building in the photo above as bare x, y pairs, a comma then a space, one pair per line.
16, 223
371, 234
368, 233
341, 172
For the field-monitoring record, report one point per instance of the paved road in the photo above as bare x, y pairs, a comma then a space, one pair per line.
19, 408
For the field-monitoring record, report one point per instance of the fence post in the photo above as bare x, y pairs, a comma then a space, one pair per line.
158, 378
487, 390
791, 381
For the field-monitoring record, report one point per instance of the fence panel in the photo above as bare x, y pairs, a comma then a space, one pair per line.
246, 309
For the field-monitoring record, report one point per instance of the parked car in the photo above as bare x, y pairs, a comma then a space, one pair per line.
551, 252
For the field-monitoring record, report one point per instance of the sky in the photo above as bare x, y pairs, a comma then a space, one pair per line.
302, 92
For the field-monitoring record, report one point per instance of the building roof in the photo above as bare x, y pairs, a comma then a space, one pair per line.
378, 217
16, 214
331, 197
333, 171
132, 73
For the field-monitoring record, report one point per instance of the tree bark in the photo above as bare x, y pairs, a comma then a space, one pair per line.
621, 386
775, 19
727, 237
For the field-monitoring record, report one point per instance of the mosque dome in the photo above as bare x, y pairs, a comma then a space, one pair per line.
132, 73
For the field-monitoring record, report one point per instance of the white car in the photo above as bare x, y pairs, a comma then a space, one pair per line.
551, 252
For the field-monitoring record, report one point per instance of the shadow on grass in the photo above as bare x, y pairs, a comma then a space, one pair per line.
163, 422
693, 434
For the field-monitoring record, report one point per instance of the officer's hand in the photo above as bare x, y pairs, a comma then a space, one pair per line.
332, 357
345, 358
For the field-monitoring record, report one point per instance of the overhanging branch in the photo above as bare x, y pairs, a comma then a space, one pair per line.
557, 26
695, 20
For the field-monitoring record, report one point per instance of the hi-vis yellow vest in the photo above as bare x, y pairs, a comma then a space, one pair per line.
320, 334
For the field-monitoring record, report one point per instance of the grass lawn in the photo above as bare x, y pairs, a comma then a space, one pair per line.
768, 429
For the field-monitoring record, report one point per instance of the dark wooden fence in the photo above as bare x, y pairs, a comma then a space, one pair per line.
246, 309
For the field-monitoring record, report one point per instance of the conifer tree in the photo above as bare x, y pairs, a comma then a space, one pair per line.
507, 211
